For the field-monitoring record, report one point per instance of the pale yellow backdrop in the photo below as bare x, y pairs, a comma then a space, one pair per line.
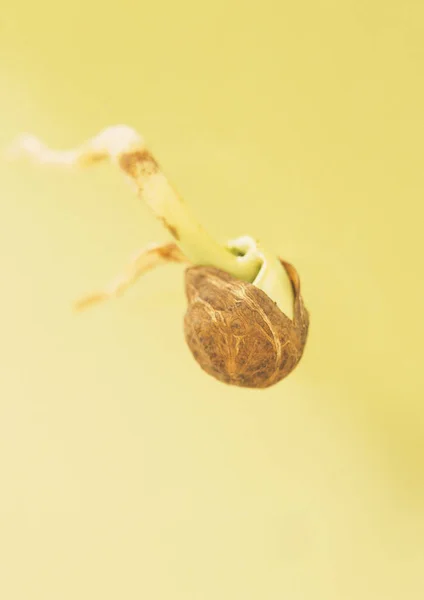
127, 473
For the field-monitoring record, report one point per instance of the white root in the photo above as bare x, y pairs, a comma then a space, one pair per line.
144, 260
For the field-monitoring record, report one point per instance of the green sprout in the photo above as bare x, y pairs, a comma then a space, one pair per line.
244, 258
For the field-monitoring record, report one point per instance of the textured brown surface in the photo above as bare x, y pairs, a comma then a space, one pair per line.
237, 333
138, 163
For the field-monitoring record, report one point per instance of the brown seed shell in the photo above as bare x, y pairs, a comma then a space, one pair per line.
237, 333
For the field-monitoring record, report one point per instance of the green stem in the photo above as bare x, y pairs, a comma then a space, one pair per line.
195, 242
242, 258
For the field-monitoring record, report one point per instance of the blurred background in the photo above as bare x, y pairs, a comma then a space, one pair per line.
125, 471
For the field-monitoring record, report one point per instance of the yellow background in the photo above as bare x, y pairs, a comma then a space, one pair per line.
125, 471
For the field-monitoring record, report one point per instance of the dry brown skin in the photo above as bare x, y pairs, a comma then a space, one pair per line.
237, 333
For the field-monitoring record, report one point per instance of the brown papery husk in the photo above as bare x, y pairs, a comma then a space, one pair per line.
237, 333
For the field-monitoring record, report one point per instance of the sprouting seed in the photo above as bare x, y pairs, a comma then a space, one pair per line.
246, 323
